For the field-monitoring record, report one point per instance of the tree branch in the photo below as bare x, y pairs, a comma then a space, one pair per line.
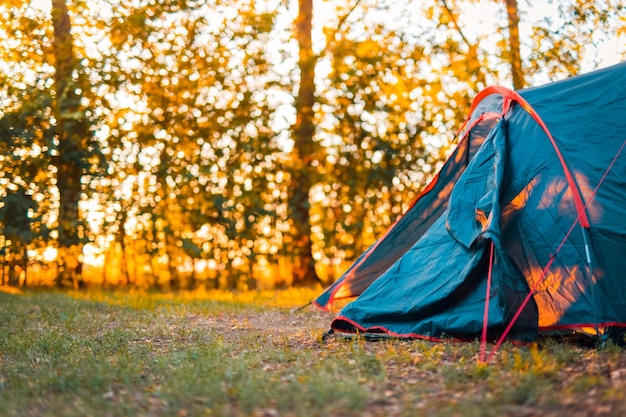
456, 24
342, 21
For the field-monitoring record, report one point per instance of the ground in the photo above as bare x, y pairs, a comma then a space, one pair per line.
257, 354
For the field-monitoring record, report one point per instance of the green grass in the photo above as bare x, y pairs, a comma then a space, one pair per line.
249, 354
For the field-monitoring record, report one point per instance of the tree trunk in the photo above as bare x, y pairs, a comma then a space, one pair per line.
3, 267
191, 285
14, 278
514, 44
70, 126
171, 251
303, 154
25, 266
121, 240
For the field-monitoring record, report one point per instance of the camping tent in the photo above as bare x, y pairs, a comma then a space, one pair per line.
522, 231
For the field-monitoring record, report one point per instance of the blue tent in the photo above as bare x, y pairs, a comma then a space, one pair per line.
522, 231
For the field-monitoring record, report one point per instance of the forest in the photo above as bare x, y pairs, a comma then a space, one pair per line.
247, 144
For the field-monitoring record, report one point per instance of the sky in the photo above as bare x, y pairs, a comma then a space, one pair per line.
482, 14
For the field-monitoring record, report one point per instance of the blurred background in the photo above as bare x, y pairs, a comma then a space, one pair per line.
247, 144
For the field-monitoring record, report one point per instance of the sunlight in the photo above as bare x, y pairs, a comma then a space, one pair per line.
50, 254
43, 5
92, 255
479, 20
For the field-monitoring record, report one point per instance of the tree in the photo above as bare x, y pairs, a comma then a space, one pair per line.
26, 137
514, 53
197, 105
559, 43
72, 130
197, 130
373, 134
304, 153
16, 220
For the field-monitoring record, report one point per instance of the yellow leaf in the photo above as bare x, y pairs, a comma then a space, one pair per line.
367, 49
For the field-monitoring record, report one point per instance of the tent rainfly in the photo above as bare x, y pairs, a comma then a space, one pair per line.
521, 233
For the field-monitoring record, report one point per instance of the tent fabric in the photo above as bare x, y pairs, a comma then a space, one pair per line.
540, 176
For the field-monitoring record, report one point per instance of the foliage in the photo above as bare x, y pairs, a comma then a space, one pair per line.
183, 117
246, 354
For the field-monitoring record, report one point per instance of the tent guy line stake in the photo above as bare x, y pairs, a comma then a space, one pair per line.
295, 310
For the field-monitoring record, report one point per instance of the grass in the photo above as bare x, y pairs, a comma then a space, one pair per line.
249, 354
